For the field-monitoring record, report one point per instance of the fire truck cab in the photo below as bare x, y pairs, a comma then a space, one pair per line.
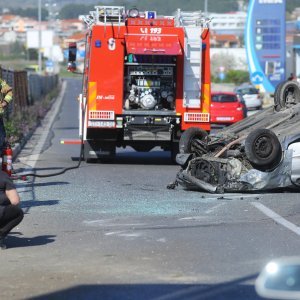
146, 79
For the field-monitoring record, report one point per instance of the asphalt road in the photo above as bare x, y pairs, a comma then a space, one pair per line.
113, 231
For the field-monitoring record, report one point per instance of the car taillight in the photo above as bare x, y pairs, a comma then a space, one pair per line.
239, 108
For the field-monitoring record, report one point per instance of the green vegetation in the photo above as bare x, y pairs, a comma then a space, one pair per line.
73, 8
16, 64
22, 122
72, 11
31, 12
233, 76
166, 7
12, 51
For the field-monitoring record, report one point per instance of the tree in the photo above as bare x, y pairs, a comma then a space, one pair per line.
226, 61
168, 7
72, 11
29, 12
237, 76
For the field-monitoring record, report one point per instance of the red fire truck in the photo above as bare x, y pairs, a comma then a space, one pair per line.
146, 79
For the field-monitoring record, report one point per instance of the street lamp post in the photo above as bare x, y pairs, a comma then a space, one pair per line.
40, 36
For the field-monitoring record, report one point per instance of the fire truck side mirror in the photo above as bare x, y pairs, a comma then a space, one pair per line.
72, 57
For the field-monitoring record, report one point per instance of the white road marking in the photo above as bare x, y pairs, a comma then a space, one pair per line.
276, 217
161, 240
125, 233
115, 232
113, 223
214, 208
195, 218
200, 218
32, 159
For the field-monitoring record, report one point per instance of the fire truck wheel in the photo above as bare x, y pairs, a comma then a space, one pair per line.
186, 142
86, 155
263, 149
286, 93
109, 157
174, 151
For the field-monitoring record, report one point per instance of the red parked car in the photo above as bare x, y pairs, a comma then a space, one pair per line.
227, 108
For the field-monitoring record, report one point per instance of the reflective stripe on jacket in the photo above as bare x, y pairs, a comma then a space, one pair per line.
5, 94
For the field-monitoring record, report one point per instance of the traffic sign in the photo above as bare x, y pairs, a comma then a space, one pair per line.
257, 77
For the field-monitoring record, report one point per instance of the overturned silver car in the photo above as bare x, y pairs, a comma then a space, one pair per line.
261, 152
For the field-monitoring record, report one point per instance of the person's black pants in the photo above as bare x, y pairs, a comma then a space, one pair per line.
11, 217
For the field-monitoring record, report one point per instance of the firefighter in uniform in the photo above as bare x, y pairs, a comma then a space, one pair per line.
11, 214
5, 99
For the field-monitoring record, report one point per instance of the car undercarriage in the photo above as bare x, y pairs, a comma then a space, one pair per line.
261, 152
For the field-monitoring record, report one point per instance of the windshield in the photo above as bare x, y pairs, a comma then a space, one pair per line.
248, 91
224, 98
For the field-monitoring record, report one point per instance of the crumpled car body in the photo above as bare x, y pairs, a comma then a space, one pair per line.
261, 152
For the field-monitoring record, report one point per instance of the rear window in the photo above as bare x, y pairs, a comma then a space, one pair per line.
224, 98
248, 91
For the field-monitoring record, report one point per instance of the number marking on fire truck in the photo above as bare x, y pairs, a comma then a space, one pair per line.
152, 30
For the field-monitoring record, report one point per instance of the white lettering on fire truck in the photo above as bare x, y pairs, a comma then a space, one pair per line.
152, 30
150, 38
107, 97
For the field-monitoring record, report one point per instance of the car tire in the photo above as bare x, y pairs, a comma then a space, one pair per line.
286, 93
263, 149
187, 137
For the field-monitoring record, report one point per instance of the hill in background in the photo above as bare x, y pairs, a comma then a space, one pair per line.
166, 7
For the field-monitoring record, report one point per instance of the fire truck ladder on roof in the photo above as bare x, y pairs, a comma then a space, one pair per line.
104, 15
192, 22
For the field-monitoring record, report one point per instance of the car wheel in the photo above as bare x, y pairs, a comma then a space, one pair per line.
286, 93
263, 149
276, 96
188, 137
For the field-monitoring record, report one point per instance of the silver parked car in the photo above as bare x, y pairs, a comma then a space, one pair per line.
261, 152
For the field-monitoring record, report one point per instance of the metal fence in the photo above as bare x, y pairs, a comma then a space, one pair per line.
28, 87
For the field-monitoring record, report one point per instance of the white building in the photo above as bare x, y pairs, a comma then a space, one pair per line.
230, 23
7, 36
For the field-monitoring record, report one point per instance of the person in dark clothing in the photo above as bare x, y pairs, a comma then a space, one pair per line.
292, 77
10, 212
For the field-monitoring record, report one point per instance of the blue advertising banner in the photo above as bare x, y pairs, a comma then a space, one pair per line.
265, 42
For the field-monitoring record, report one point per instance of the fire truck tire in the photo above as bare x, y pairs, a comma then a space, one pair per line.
286, 93
187, 138
174, 151
109, 153
263, 149
86, 155
108, 158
